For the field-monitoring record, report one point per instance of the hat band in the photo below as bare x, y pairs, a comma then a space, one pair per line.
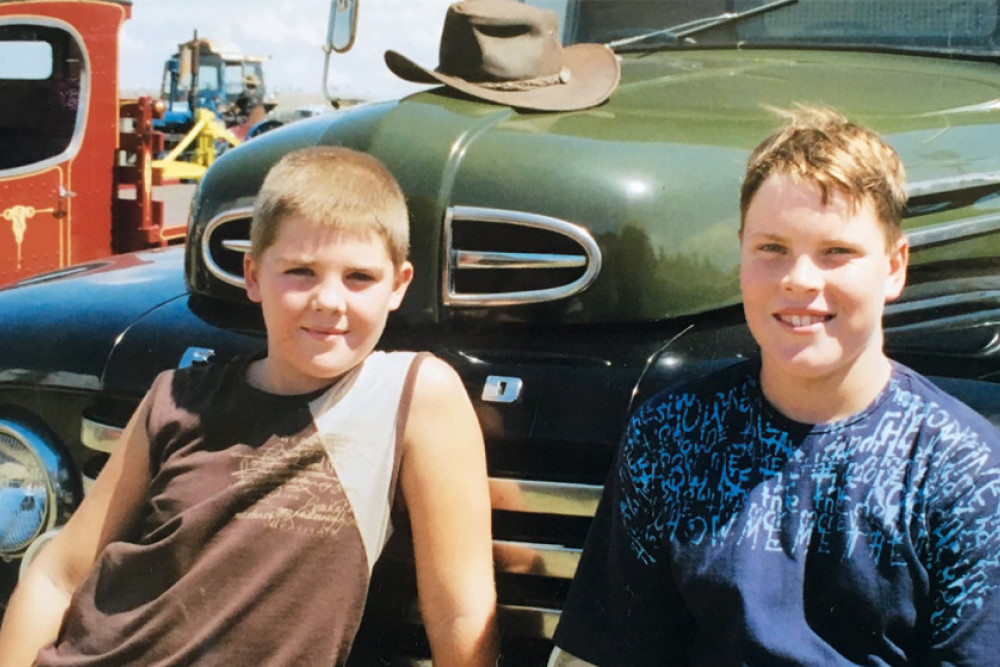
560, 77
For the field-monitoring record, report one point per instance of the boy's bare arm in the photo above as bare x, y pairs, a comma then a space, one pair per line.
37, 606
443, 478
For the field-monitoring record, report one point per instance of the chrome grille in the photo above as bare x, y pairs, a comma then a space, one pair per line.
495, 257
225, 241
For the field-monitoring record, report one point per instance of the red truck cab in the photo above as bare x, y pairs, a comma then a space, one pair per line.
65, 154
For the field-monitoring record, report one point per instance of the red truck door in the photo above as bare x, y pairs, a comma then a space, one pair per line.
58, 132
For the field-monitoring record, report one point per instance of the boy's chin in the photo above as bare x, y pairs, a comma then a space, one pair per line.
821, 364
333, 365
810, 361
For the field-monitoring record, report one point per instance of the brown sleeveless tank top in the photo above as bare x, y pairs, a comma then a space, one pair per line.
264, 518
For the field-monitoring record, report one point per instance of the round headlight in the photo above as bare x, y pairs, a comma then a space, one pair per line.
29, 470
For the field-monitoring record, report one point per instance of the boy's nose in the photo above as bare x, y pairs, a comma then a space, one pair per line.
802, 274
329, 295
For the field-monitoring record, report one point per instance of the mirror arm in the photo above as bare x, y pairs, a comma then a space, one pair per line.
327, 51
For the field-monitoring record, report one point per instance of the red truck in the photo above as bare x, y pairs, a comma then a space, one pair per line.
76, 176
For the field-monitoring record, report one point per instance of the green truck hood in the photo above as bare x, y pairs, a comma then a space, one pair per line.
654, 173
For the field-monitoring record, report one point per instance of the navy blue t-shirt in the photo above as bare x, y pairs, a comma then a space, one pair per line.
731, 535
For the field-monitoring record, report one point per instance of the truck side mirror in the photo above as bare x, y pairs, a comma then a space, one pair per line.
340, 33
343, 25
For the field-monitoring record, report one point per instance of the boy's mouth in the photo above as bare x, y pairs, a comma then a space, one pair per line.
802, 320
321, 331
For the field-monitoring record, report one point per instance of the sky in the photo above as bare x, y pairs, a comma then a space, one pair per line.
292, 33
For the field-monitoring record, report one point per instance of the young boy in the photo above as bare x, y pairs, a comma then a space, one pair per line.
238, 519
821, 505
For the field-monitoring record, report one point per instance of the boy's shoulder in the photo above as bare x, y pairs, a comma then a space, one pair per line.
710, 383
421, 372
378, 376
197, 384
380, 360
724, 391
945, 403
210, 373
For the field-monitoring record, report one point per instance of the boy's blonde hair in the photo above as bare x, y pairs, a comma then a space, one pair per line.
821, 146
335, 187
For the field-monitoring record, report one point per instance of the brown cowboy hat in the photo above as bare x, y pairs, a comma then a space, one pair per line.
510, 53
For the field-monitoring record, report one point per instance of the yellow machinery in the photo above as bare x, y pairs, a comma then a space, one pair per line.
207, 130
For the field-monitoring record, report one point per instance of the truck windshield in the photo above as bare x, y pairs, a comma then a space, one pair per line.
956, 27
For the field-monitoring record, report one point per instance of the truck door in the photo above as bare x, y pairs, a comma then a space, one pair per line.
40, 92
58, 133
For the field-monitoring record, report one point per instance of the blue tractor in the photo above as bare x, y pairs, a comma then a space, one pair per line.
209, 75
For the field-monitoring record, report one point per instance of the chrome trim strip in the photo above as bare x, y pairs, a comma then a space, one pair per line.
237, 246
954, 231
520, 620
34, 549
988, 349
545, 560
518, 495
529, 621
97, 436
940, 186
477, 259
87, 483
206, 238
932, 303
455, 259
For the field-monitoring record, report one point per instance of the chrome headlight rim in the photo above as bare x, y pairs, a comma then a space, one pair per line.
34, 549
53, 475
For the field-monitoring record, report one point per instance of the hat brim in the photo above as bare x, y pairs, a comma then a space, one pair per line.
594, 74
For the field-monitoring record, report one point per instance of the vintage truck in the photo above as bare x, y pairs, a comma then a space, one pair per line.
76, 179
567, 263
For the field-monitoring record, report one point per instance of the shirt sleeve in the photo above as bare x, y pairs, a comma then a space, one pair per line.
623, 608
963, 548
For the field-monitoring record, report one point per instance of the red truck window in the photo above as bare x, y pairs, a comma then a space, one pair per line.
41, 80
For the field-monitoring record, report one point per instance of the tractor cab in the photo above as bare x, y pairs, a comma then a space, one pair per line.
206, 75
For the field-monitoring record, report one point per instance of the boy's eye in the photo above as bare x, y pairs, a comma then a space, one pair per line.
360, 276
299, 271
840, 250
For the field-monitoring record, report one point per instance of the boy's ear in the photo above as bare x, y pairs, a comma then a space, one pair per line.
899, 257
250, 278
404, 276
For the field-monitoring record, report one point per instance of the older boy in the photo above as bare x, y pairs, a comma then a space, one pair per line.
821, 505
238, 520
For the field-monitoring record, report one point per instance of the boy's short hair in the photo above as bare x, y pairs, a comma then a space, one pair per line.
335, 187
820, 145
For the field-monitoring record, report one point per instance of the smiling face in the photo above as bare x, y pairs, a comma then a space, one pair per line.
325, 295
815, 278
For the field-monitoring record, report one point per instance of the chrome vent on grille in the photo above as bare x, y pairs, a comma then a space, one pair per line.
225, 241
495, 257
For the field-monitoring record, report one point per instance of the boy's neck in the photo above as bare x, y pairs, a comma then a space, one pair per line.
825, 399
